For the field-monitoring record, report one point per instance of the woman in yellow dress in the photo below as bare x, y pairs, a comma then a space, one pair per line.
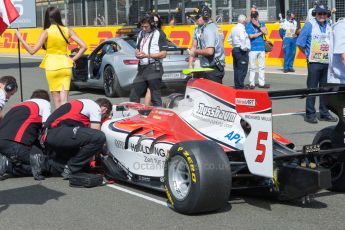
58, 65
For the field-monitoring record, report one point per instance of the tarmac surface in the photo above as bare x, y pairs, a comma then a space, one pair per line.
52, 204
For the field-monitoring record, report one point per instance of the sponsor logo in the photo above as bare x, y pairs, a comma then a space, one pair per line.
245, 101
232, 136
216, 112
190, 162
146, 149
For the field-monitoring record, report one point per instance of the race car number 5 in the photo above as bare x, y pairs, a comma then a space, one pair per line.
262, 136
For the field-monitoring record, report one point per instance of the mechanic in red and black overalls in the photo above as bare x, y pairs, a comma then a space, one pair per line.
19, 131
73, 135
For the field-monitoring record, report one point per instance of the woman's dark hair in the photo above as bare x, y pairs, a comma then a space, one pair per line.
40, 94
52, 16
159, 22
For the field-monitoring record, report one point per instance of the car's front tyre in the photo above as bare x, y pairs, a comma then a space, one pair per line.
197, 177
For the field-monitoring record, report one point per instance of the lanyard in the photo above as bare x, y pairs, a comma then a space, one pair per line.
144, 41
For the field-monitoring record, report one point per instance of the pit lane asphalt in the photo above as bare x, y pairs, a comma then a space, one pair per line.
52, 204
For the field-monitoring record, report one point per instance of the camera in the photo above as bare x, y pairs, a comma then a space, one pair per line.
219, 65
157, 66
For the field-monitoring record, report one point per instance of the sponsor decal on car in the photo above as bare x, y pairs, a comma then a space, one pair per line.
233, 137
190, 162
245, 101
216, 112
146, 149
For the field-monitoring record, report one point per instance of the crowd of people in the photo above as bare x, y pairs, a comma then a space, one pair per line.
36, 141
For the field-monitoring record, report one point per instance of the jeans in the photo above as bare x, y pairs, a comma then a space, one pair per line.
240, 64
289, 45
253, 56
317, 74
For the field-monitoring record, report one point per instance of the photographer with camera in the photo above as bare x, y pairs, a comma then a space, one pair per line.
150, 50
256, 30
210, 45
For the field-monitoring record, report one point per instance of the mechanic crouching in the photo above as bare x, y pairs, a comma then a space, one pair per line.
73, 136
150, 50
19, 131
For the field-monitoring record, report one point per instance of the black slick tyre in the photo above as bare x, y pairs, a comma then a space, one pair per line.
324, 139
197, 177
111, 84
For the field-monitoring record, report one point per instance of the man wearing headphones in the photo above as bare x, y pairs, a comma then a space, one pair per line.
8, 87
150, 50
288, 28
19, 133
210, 45
313, 41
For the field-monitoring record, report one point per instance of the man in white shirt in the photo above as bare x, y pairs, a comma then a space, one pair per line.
239, 39
8, 87
336, 68
311, 15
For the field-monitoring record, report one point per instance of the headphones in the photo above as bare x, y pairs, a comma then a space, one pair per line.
205, 12
10, 86
150, 19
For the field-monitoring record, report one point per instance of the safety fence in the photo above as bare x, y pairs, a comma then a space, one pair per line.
180, 35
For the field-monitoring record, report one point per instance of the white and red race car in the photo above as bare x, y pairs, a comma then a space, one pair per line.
215, 139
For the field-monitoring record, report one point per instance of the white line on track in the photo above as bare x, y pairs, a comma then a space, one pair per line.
138, 195
286, 114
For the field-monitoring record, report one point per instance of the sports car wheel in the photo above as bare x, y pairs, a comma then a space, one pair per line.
323, 138
197, 177
112, 87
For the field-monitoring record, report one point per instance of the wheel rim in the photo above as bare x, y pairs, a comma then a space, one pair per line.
179, 177
108, 80
336, 168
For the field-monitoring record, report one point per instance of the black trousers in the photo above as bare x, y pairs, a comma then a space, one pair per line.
148, 77
72, 146
215, 75
18, 156
240, 63
317, 74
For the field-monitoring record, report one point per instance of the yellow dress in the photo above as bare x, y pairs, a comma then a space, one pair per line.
57, 63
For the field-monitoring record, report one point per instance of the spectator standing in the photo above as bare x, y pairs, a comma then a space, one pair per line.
256, 30
288, 28
241, 46
336, 68
210, 47
158, 24
311, 11
314, 43
150, 50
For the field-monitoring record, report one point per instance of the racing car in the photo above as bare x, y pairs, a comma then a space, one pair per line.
214, 139
112, 66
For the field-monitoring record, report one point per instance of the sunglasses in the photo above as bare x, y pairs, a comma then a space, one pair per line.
197, 17
322, 13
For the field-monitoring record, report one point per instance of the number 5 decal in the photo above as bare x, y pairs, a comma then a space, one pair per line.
262, 136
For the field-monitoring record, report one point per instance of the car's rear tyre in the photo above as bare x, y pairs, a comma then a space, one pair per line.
197, 177
323, 138
111, 84
172, 100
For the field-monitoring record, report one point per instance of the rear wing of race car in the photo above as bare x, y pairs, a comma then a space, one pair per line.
255, 107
